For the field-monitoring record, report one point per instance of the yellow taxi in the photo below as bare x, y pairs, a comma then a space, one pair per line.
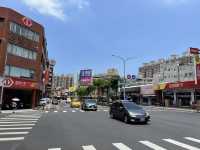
75, 103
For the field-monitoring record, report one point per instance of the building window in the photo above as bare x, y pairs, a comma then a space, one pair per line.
19, 72
22, 52
23, 31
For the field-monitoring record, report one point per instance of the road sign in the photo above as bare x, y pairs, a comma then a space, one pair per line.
7, 82
129, 76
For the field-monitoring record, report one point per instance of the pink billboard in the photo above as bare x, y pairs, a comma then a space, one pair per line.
85, 77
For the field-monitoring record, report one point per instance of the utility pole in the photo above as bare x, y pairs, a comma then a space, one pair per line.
124, 60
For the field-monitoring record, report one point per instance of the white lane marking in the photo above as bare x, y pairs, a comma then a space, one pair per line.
11, 139
11, 122
17, 119
55, 111
192, 139
89, 147
121, 146
24, 116
152, 145
73, 111
54, 148
13, 125
183, 145
105, 110
25, 128
13, 133
64, 111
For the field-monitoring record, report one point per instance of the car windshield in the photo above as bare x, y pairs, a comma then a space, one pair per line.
90, 101
131, 106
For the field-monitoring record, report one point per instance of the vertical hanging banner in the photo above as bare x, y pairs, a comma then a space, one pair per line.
85, 77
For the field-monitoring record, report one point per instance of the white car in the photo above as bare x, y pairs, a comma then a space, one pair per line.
44, 101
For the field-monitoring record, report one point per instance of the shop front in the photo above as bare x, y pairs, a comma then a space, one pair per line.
148, 96
28, 93
180, 94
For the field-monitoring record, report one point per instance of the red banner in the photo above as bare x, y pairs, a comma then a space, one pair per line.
24, 84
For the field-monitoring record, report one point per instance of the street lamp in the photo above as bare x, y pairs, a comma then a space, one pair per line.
124, 60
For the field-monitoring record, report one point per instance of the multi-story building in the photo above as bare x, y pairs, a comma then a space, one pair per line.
149, 69
23, 57
63, 81
49, 86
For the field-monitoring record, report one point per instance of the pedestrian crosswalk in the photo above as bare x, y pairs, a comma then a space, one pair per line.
74, 110
15, 127
149, 145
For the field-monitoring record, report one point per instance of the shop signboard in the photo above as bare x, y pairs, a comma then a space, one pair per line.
85, 77
147, 90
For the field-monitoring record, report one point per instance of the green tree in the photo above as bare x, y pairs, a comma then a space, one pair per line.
82, 91
99, 84
90, 89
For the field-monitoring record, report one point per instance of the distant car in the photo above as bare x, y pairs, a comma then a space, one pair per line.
75, 103
128, 112
89, 104
44, 101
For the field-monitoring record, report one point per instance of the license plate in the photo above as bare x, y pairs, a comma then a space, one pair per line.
142, 119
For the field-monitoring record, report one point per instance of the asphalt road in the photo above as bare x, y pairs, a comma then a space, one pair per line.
72, 129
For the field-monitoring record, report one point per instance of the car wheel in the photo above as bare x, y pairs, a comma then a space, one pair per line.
146, 122
126, 119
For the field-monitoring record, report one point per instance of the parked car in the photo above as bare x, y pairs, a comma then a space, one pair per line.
75, 103
44, 101
89, 104
128, 111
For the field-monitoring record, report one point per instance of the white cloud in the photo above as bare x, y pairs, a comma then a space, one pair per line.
55, 8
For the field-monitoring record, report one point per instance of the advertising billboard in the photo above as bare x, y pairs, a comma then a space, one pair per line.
85, 77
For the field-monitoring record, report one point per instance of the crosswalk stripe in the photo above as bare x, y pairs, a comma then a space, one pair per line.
11, 122
11, 139
192, 139
89, 147
152, 145
25, 116
17, 119
183, 145
55, 111
64, 111
25, 128
121, 146
46, 111
13, 133
54, 148
73, 111
12, 125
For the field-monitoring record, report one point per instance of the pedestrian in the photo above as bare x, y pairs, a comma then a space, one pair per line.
14, 106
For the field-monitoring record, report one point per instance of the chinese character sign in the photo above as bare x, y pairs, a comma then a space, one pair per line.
86, 77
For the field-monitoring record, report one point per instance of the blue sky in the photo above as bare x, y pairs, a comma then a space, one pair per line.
85, 33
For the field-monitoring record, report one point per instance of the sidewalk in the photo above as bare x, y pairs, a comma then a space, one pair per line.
170, 108
17, 111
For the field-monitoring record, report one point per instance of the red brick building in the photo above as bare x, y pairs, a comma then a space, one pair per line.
23, 57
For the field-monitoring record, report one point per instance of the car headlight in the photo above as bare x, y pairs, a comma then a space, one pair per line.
132, 114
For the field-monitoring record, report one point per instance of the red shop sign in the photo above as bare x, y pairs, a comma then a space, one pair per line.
27, 22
